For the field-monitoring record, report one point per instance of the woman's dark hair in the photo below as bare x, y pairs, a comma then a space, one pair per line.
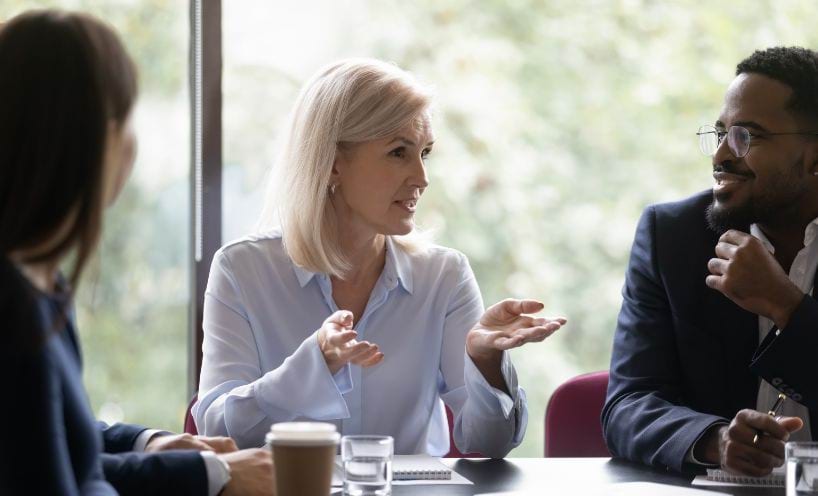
63, 78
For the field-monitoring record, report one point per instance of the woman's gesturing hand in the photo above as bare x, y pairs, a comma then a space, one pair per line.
336, 339
504, 326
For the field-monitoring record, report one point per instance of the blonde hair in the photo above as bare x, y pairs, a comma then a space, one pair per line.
348, 102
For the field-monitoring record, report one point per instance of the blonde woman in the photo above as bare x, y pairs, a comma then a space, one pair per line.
337, 315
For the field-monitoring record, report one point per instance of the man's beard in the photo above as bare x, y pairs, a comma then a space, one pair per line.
766, 209
721, 219
778, 203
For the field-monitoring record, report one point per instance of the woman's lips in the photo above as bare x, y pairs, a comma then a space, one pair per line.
408, 205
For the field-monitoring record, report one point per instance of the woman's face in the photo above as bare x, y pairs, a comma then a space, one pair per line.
378, 183
120, 153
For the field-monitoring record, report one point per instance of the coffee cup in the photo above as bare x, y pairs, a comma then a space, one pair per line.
303, 456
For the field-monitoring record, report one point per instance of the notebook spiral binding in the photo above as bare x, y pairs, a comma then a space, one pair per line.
773, 480
422, 475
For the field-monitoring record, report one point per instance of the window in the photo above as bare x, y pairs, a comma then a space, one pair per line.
555, 124
132, 307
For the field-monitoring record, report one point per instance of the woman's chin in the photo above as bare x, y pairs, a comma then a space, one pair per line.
400, 229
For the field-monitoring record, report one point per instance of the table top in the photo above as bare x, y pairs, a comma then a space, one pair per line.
563, 476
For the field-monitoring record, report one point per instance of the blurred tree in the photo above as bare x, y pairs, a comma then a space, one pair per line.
132, 304
557, 122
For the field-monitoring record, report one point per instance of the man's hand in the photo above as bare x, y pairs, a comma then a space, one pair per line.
189, 442
750, 276
251, 473
732, 446
337, 342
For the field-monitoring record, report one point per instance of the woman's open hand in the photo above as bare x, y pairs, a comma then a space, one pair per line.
504, 325
336, 339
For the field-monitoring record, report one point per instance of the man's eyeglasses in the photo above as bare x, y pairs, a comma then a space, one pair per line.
738, 139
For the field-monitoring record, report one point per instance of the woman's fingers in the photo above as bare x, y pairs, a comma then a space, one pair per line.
537, 334
501, 342
518, 337
340, 339
360, 351
341, 317
366, 355
375, 359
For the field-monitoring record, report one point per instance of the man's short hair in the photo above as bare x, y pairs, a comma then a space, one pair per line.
796, 67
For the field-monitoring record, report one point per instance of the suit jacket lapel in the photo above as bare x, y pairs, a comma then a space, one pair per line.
737, 329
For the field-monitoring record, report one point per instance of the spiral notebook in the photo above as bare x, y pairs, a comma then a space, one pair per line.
419, 467
716, 477
412, 469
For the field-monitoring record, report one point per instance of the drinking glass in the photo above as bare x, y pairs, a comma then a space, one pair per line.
367, 465
802, 468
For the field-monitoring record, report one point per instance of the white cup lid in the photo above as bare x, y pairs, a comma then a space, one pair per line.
303, 433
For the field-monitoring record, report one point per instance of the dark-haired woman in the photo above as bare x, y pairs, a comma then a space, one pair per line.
67, 87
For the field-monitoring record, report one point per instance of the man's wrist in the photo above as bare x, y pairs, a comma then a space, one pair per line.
790, 299
145, 437
706, 450
218, 472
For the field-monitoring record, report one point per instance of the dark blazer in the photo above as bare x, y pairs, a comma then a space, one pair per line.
684, 355
49, 443
175, 472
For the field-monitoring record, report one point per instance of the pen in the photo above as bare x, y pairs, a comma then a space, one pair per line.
772, 413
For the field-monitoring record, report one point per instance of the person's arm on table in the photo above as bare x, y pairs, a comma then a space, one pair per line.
182, 464
744, 271
489, 408
644, 418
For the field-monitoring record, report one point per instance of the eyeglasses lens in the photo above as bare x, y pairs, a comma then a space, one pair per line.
708, 140
738, 139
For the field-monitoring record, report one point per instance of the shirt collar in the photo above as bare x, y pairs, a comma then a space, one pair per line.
399, 263
810, 235
397, 268
304, 276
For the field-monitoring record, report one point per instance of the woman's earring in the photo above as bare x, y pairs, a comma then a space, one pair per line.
332, 188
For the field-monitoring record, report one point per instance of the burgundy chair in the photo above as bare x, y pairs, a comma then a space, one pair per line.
190, 428
572, 424
190, 425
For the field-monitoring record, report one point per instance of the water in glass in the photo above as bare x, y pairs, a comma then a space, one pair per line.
802, 475
367, 476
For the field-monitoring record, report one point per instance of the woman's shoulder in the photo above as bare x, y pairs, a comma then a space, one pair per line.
18, 305
263, 247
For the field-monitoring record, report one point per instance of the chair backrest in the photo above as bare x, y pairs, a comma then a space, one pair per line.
190, 428
190, 425
572, 418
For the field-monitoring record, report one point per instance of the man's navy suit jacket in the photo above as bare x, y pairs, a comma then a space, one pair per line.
685, 356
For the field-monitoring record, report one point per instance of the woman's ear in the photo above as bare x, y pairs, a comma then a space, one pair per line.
339, 162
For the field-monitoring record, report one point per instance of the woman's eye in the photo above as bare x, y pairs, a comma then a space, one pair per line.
398, 152
425, 153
